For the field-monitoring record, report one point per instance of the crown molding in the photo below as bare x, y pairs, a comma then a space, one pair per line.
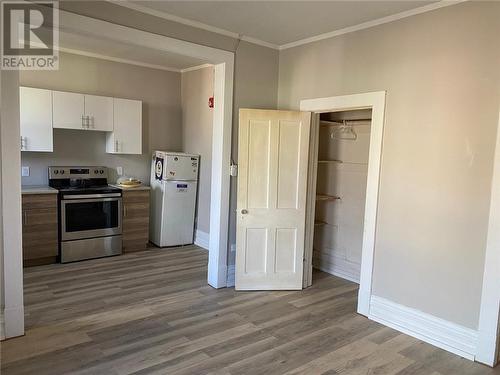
331, 34
373, 23
188, 22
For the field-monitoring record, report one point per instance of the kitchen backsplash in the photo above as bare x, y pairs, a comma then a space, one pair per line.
76, 147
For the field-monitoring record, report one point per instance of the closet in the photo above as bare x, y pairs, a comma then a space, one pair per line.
342, 166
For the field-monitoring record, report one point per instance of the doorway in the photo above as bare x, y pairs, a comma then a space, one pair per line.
375, 103
343, 142
223, 62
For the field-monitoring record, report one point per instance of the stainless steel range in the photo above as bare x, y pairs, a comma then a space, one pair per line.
90, 213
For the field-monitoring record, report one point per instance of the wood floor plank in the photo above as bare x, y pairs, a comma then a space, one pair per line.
152, 312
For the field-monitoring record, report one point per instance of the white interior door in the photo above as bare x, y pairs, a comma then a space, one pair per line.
272, 190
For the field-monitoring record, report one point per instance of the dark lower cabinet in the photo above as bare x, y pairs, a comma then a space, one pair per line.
39, 218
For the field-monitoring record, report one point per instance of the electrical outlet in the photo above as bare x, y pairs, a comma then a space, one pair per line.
119, 171
25, 171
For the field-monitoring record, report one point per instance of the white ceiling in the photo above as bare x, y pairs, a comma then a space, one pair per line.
278, 22
127, 53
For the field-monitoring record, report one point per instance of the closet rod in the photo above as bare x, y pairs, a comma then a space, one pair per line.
341, 122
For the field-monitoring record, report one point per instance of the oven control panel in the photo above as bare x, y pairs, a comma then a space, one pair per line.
78, 172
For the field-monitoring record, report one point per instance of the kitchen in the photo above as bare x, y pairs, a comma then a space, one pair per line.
86, 130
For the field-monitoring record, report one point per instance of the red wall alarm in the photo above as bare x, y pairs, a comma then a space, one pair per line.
211, 102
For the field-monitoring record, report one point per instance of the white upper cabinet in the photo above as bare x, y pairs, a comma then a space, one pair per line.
68, 110
98, 113
80, 111
126, 137
36, 119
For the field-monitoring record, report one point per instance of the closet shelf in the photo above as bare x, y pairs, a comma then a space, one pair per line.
329, 161
324, 197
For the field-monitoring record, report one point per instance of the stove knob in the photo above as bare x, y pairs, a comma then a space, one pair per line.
96, 171
62, 171
101, 171
56, 172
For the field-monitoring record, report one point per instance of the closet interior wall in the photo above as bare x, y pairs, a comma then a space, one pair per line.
341, 192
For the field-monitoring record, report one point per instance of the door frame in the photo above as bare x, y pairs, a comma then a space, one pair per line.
223, 61
488, 344
376, 102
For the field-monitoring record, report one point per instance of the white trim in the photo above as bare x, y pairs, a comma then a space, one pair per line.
10, 162
118, 59
436, 331
202, 239
373, 23
196, 24
375, 101
197, 67
489, 337
220, 186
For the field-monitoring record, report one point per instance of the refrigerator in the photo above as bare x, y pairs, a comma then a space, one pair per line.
174, 183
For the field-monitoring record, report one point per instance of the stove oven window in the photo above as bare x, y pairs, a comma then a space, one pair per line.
84, 216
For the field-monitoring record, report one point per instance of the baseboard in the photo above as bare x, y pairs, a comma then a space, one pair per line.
337, 266
231, 275
436, 331
202, 239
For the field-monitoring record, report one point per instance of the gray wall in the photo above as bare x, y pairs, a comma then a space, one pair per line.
441, 72
255, 71
159, 90
197, 126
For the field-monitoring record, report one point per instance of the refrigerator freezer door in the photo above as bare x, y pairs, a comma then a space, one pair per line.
179, 201
180, 167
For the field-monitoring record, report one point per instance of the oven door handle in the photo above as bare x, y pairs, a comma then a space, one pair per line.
90, 196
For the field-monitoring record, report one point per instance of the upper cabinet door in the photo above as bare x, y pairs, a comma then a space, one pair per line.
99, 113
35, 107
68, 110
126, 137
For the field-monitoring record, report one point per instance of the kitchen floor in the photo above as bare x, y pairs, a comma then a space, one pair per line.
153, 313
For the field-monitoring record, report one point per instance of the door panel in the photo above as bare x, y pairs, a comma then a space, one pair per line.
259, 133
272, 188
255, 250
289, 164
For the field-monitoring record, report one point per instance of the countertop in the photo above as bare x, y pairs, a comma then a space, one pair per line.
142, 187
37, 189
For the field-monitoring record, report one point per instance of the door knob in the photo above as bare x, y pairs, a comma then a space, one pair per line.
244, 212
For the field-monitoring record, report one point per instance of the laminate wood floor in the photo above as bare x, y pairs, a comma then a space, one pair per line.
153, 313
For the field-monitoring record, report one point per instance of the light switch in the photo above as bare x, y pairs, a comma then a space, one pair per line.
25, 171
119, 171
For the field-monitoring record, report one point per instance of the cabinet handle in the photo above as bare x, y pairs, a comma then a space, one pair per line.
124, 210
83, 121
88, 122
25, 220
22, 144
116, 146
